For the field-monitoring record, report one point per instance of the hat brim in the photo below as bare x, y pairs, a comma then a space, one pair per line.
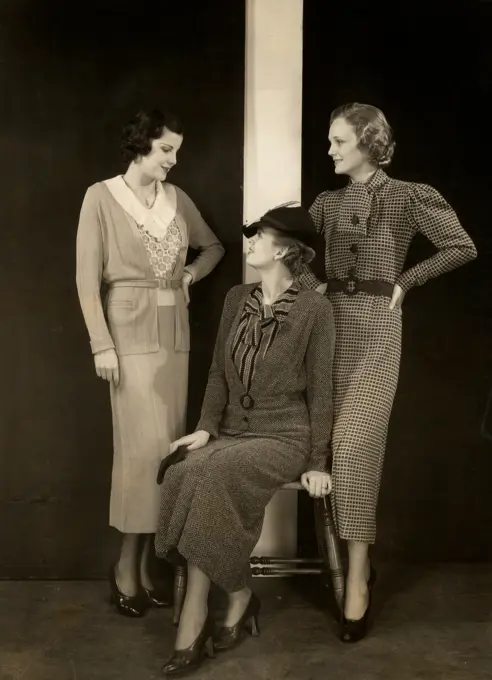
310, 240
251, 230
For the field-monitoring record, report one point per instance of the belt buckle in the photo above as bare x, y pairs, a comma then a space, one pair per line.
351, 285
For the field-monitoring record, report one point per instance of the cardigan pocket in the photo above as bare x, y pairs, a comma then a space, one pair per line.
132, 318
121, 303
121, 318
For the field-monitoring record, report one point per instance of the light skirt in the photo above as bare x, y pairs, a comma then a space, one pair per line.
149, 412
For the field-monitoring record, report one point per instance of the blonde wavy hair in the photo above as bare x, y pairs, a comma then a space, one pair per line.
297, 254
374, 133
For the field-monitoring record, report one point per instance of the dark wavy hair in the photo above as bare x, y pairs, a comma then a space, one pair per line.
373, 131
138, 133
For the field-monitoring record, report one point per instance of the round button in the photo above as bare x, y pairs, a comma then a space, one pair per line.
355, 220
247, 401
354, 248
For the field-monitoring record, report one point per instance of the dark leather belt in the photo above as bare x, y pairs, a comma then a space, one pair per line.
352, 285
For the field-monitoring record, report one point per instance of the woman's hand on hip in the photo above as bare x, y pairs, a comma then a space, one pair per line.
193, 441
397, 298
317, 484
107, 366
322, 288
185, 284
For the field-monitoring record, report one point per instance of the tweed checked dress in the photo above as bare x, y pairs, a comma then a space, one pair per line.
268, 409
368, 229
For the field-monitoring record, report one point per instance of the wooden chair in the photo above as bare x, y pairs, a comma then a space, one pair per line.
328, 561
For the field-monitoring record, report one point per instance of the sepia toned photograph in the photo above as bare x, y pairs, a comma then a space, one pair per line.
246, 415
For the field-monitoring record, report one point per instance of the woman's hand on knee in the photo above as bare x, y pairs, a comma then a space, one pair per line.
193, 441
317, 484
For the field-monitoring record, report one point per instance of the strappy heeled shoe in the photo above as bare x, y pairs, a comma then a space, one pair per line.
354, 630
133, 606
184, 661
228, 637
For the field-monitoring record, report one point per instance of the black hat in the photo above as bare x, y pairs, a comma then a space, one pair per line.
291, 219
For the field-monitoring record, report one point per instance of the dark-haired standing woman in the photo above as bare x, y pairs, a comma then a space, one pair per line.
133, 234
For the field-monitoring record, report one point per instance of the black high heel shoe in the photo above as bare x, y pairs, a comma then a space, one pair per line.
132, 606
184, 661
228, 637
354, 630
158, 598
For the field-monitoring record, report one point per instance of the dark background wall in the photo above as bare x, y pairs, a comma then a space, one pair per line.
71, 75
69, 79
430, 70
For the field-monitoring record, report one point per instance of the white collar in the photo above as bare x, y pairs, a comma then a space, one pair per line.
155, 220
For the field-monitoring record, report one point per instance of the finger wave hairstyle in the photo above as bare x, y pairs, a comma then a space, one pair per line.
137, 135
373, 131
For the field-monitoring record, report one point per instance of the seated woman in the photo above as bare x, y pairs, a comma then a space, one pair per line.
266, 420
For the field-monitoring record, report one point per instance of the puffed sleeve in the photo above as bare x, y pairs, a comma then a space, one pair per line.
89, 268
319, 392
432, 215
201, 238
307, 279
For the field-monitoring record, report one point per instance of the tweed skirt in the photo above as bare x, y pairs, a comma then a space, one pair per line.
149, 412
366, 369
213, 503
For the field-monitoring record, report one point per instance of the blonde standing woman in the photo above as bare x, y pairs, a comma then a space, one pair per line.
368, 227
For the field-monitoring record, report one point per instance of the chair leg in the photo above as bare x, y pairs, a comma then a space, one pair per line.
331, 548
180, 579
320, 529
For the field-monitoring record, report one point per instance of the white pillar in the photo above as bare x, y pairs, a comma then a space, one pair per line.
272, 169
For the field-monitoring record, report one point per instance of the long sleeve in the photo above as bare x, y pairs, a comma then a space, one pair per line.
201, 238
435, 218
307, 279
217, 391
89, 267
319, 373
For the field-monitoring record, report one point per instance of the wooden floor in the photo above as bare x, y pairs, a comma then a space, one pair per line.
430, 623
